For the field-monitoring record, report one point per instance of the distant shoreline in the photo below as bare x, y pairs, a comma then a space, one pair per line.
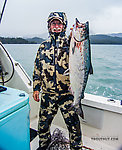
94, 39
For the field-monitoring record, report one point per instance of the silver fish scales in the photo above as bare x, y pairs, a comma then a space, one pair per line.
79, 63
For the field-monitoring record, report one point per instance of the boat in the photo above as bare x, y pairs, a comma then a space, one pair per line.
101, 128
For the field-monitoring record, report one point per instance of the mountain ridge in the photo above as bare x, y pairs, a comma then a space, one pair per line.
113, 38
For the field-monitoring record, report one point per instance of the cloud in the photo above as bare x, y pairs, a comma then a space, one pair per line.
108, 21
30, 17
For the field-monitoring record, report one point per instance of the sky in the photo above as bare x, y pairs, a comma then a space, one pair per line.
24, 18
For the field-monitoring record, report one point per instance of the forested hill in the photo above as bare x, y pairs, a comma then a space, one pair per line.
105, 39
19, 40
95, 39
36, 40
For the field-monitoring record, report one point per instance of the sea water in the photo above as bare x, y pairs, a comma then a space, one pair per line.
107, 66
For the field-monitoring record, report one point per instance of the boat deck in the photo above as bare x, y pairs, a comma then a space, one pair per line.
87, 142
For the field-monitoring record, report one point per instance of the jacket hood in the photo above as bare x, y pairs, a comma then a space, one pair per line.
60, 16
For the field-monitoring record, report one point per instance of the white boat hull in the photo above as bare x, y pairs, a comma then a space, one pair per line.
102, 124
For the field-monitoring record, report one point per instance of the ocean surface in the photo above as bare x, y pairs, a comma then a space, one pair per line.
106, 60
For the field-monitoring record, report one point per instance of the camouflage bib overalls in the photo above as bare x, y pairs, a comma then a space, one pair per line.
51, 62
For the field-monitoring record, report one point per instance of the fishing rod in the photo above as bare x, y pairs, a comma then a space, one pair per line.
1, 71
2, 11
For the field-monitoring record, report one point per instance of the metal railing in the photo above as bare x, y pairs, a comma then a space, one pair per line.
30, 82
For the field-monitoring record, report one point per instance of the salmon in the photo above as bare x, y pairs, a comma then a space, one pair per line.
80, 65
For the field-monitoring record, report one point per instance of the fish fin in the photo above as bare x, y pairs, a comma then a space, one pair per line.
91, 69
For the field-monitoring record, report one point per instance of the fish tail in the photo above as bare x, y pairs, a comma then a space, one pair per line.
79, 111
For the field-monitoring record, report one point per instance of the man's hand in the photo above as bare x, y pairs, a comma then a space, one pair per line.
36, 96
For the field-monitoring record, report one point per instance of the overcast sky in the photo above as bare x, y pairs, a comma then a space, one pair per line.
29, 17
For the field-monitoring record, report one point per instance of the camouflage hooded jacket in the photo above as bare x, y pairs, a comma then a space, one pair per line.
52, 61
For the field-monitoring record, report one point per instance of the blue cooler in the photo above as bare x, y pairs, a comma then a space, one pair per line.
14, 120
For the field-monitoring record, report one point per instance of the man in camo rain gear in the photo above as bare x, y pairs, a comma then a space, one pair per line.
51, 62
